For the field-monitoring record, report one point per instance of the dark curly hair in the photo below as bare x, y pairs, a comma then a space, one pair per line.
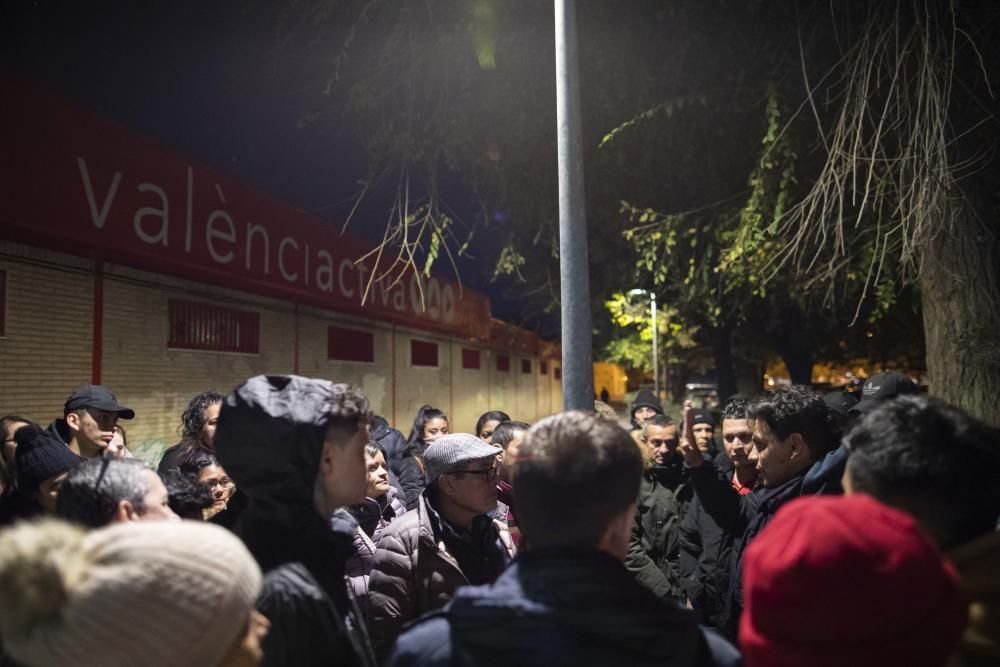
798, 409
193, 417
735, 408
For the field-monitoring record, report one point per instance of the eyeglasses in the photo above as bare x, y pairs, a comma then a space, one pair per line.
489, 473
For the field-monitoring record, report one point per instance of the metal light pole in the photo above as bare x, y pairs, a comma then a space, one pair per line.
656, 365
577, 353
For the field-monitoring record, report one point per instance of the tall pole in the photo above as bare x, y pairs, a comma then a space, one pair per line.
656, 366
577, 354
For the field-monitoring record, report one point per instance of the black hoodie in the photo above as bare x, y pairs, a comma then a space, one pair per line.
269, 439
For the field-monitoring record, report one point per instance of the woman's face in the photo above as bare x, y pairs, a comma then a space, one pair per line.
48, 492
378, 476
218, 482
486, 432
211, 419
434, 429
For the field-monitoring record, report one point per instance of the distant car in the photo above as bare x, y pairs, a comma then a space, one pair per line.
702, 396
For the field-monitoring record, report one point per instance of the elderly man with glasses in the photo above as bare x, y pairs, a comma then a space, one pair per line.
450, 541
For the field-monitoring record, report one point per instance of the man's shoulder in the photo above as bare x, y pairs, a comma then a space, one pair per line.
426, 643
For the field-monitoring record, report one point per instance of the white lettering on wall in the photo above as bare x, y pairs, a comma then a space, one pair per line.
287, 241
344, 289
162, 213
432, 296
324, 272
98, 218
448, 303
262, 231
211, 233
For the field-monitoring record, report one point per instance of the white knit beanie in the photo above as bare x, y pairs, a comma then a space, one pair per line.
143, 594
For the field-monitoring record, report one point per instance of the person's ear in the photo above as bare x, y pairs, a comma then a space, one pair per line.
326, 458
796, 446
615, 539
73, 421
446, 485
124, 512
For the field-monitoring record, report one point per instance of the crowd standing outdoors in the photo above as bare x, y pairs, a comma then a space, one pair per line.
292, 526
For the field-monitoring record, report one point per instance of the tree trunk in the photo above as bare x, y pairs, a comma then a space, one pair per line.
960, 292
722, 352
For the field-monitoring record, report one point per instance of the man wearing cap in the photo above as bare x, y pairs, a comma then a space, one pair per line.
703, 429
89, 417
450, 541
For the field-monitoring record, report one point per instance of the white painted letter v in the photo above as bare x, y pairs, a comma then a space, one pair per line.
98, 218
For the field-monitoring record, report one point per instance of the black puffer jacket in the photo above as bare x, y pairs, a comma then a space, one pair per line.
269, 439
411, 473
561, 606
389, 439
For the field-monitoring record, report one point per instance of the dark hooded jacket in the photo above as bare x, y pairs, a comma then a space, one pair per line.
269, 439
748, 515
561, 606
411, 473
389, 439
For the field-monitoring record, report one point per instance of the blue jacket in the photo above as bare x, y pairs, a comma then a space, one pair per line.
561, 606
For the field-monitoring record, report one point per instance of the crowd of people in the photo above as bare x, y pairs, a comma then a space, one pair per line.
292, 526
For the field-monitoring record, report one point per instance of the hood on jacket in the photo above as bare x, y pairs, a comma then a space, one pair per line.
60, 429
573, 607
270, 436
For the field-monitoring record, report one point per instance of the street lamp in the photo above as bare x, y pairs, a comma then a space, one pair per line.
656, 368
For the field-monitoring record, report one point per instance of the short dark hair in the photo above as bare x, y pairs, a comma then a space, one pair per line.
798, 409
505, 432
186, 497
735, 408
931, 460
91, 492
492, 415
349, 410
660, 421
570, 456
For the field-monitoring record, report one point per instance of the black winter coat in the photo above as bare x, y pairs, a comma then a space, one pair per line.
752, 513
411, 474
561, 606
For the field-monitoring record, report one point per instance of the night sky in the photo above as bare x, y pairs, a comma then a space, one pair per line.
215, 81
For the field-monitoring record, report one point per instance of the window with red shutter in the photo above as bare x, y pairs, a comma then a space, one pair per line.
423, 353
343, 344
212, 328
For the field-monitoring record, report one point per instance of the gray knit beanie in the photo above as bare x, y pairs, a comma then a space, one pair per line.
453, 452
147, 594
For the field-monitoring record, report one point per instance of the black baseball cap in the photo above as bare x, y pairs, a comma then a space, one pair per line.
97, 397
882, 387
840, 401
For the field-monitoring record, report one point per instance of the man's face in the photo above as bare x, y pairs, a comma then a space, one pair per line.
703, 434
48, 492
343, 476
474, 490
642, 414
509, 457
778, 460
93, 430
737, 438
155, 506
662, 442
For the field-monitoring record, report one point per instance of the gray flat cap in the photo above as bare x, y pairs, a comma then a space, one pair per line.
453, 452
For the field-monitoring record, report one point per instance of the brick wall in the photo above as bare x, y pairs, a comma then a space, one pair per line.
48, 350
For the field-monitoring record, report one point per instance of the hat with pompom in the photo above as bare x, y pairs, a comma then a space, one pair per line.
154, 594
